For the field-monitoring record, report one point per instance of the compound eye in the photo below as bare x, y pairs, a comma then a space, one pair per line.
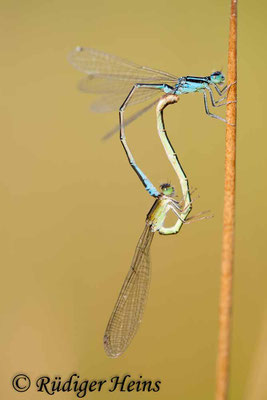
167, 189
217, 77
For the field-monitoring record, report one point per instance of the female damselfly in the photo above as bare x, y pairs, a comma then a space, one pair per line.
129, 308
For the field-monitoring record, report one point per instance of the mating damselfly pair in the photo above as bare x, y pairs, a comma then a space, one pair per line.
121, 83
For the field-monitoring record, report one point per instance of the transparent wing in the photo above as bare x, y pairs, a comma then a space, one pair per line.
114, 77
113, 101
129, 308
109, 67
97, 85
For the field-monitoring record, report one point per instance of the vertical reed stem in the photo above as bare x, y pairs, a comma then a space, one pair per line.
225, 307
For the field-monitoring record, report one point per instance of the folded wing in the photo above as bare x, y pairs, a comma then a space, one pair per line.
129, 308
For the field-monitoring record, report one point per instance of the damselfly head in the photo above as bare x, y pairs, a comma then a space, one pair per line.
78, 49
167, 189
217, 77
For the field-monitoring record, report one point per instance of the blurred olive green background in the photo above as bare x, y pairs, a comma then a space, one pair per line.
72, 209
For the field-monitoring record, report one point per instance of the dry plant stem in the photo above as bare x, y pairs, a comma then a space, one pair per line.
225, 307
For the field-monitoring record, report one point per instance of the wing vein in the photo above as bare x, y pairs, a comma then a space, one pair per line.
129, 308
